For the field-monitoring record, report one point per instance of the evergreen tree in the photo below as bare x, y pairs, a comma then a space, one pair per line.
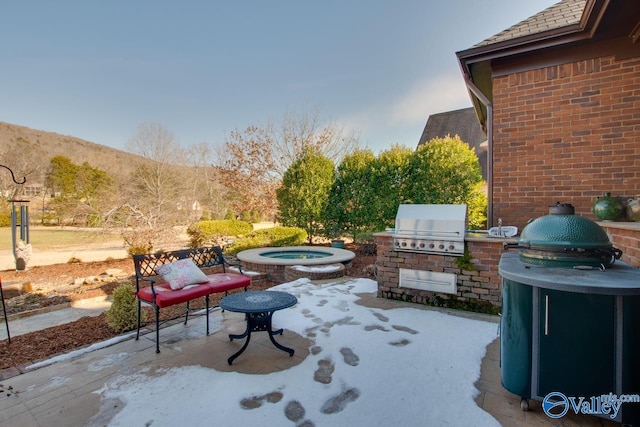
304, 193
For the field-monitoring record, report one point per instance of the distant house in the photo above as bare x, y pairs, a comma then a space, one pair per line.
559, 97
463, 123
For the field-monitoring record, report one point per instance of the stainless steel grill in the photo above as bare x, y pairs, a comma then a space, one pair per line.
437, 229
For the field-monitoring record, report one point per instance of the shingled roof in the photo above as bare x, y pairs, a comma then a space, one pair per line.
463, 123
564, 14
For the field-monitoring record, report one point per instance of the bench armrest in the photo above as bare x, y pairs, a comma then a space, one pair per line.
224, 262
238, 265
151, 281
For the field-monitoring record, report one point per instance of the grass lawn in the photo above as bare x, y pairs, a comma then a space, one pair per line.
45, 238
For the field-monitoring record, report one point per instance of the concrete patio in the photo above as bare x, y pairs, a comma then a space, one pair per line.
70, 392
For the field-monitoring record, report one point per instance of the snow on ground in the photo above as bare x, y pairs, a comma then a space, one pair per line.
317, 268
369, 367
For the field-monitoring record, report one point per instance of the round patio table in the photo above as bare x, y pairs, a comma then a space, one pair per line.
258, 307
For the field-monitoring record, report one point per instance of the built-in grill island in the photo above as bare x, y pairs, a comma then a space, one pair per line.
570, 322
430, 258
429, 229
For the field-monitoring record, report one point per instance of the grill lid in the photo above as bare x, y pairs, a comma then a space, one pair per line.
431, 221
436, 229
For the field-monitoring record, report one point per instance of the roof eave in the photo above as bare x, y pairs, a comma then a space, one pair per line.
584, 29
589, 21
533, 42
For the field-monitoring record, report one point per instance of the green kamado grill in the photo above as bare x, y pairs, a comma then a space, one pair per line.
570, 323
563, 239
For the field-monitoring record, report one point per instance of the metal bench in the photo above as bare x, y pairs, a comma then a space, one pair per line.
150, 289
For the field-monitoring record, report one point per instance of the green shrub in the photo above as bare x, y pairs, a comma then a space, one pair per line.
276, 236
123, 313
477, 208
203, 233
366, 237
140, 249
366, 243
140, 240
251, 216
5, 219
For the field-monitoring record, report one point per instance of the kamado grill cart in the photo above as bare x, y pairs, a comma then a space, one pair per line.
570, 314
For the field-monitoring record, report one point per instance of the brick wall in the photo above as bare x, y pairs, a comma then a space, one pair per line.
280, 274
274, 272
626, 237
479, 283
565, 133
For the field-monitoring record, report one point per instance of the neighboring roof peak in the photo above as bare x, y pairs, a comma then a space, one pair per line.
563, 14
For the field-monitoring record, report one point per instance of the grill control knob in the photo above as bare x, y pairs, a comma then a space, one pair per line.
421, 245
431, 246
451, 247
441, 246
413, 244
404, 244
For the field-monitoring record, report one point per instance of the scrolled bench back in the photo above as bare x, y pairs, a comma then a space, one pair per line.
145, 264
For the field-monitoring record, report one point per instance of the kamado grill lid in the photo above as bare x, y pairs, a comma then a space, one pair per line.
563, 239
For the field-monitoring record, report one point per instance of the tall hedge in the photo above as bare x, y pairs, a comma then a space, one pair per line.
368, 190
303, 196
447, 171
349, 206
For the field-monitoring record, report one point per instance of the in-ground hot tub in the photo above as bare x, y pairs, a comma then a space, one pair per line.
274, 260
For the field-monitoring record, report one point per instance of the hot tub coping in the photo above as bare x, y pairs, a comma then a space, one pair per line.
337, 255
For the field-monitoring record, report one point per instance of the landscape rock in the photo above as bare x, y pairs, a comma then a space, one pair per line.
114, 272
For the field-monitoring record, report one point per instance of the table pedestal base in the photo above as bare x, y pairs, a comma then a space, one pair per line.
258, 322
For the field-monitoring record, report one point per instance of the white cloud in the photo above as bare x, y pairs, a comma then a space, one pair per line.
430, 96
401, 121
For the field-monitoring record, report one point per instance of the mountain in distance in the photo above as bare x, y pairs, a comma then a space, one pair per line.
41, 146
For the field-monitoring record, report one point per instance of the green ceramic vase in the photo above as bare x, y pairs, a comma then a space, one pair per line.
608, 208
633, 209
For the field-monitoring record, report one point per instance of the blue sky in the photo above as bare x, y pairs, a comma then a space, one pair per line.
98, 69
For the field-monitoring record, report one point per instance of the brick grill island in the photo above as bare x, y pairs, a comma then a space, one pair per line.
481, 282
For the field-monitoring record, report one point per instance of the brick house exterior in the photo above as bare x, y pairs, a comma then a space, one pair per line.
559, 97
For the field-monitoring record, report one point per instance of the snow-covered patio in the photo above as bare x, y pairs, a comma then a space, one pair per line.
367, 367
359, 360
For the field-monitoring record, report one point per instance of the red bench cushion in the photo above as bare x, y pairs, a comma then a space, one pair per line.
165, 296
219, 282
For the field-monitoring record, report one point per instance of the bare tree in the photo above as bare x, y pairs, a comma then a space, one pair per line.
157, 177
296, 132
246, 168
29, 164
156, 197
252, 163
206, 190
